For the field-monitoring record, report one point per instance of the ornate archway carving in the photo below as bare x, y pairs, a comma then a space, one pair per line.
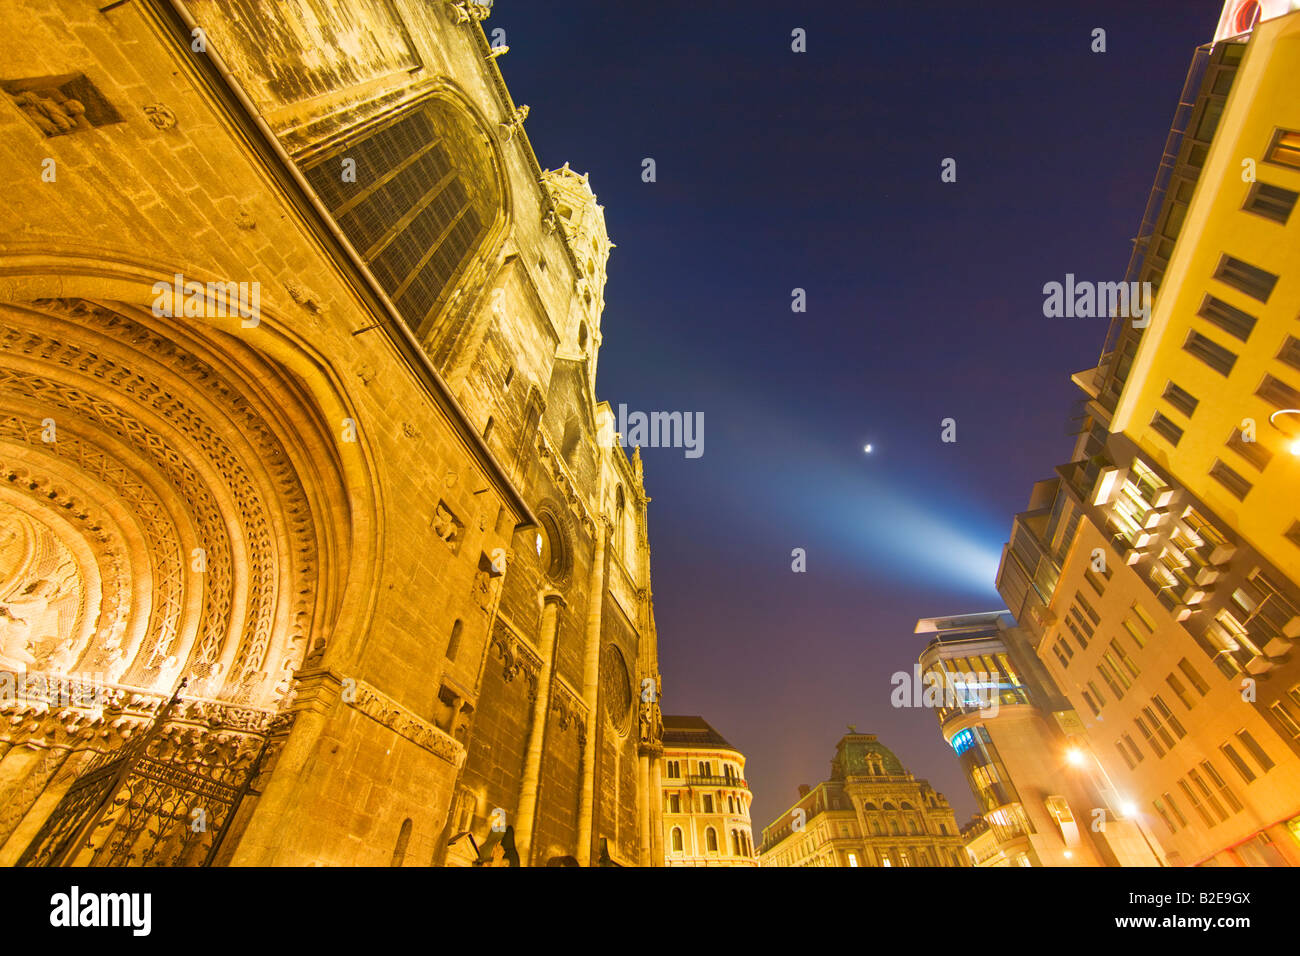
173, 459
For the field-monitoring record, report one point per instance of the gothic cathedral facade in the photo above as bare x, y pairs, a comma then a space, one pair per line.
316, 546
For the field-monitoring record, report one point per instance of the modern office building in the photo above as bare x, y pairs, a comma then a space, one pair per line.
871, 812
1157, 576
705, 797
1009, 728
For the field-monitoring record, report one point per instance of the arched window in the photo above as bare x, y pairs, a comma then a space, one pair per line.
620, 502
711, 840
571, 441
875, 828
893, 828
911, 825
453, 645
677, 840
403, 838
731, 804
419, 206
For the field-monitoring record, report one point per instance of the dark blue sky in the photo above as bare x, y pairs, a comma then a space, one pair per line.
821, 171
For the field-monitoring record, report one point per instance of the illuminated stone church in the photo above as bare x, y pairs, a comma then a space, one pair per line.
314, 546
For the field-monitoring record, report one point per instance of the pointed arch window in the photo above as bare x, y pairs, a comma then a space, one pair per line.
415, 195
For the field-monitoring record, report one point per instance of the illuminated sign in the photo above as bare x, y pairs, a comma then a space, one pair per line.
1241, 16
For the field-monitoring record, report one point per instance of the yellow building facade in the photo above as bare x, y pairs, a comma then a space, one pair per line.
1159, 574
706, 798
871, 812
298, 344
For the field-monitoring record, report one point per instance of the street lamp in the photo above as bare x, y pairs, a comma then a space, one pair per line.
1293, 446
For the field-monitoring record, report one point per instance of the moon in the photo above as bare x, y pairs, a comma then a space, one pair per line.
867, 449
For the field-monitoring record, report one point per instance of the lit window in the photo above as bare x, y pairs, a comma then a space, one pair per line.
1284, 150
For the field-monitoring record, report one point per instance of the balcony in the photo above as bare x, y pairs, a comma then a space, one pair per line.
698, 780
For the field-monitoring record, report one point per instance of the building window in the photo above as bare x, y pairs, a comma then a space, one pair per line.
1152, 742
1097, 581
1218, 783
1244, 277
1211, 801
1164, 814
1196, 680
453, 644
1271, 202
1139, 625
1256, 751
1180, 691
1173, 808
1290, 352
413, 214
1232, 320
1117, 652
1278, 393
1111, 679
1063, 652
1164, 721
1133, 749
403, 839
1210, 352
1283, 716
711, 840
1096, 694
1234, 758
1237, 486
1284, 150
1166, 429
675, 803
1196, 803
708, 803
1124, 753
1252, 451
678, 846
1180, 399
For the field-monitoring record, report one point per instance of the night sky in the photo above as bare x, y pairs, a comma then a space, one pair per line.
821, 170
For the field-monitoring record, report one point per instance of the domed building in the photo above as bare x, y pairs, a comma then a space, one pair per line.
706, 799
871, 812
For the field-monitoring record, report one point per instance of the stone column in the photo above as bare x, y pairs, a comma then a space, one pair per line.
656, 816
643, 804
591, 691
526, 815
273, 818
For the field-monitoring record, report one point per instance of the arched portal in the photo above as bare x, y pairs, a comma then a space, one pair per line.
172, 506
154, 474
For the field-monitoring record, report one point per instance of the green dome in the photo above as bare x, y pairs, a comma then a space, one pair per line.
859, 754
